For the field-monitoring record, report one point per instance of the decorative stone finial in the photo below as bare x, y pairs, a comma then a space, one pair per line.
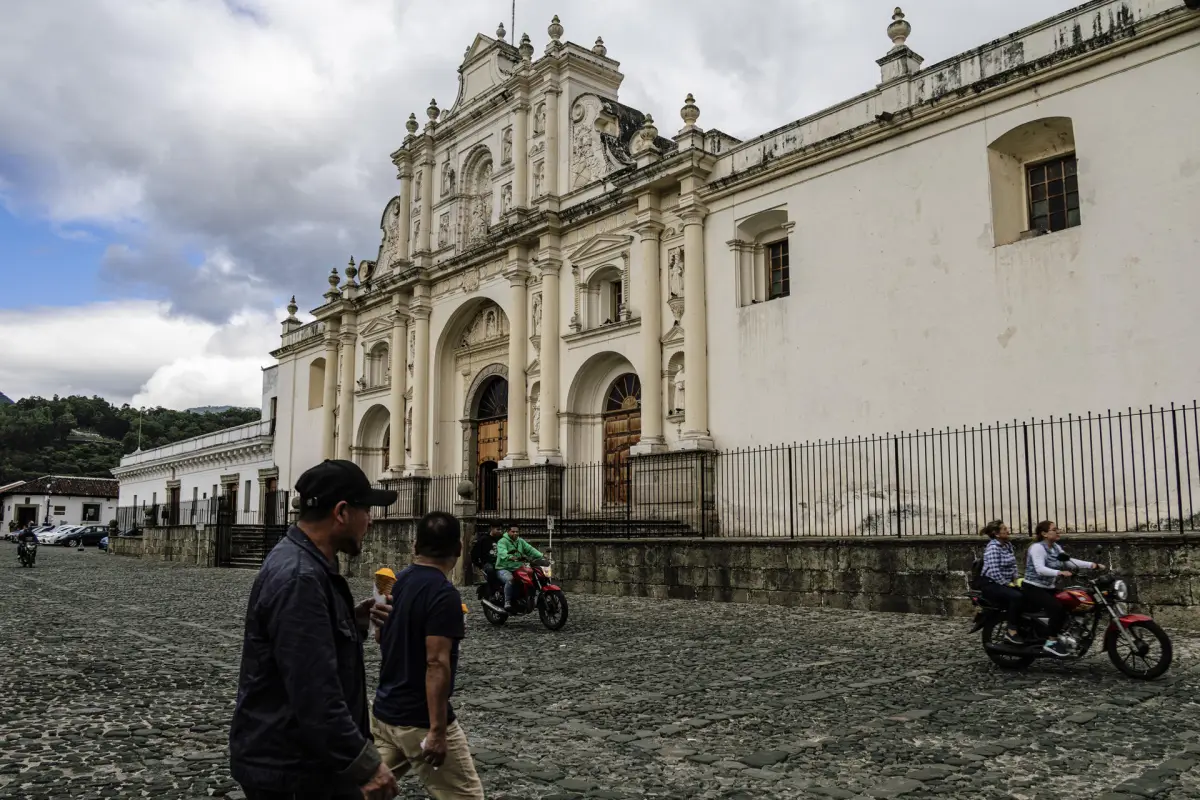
643, 140
500, 32
412, 125
555, 30
432, 112
690, 111
333, 284
292, 308
351, 271
649, 131
600, 49
526, 48
899, 30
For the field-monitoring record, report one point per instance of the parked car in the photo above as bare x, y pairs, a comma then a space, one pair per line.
103, 545
50, 535
80, 534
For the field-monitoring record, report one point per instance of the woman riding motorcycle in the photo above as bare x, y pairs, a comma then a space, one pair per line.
999, 574
1044, 563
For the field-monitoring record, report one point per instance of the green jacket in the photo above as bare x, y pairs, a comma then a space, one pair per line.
511, 554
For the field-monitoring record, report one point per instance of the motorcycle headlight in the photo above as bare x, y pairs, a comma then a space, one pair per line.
1121, 590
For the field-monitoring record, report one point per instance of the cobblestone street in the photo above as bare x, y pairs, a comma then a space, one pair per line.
119, 679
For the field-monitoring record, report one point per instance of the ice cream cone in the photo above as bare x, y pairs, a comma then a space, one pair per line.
385, 579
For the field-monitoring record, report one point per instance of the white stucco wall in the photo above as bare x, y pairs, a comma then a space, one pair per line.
72, 508
904, 315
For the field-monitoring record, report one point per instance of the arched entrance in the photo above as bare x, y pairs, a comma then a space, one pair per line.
371, 450
622, 430
491, 439
384, 466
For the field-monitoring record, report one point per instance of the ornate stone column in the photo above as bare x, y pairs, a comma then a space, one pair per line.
348, 337
652, 440
696, 435
329, 393
399, 370
521, 156
420, 308
405, 172
518, 358
550, 263
552, 94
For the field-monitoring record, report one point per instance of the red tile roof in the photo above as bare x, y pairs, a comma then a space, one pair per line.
68, 486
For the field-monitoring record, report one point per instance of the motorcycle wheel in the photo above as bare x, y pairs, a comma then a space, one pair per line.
494, 617
1129, 664
553, 610
994, 634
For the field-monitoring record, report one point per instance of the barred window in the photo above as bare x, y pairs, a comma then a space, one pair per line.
778, 272
1054, 194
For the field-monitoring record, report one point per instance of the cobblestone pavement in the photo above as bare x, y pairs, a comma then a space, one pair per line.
119, 678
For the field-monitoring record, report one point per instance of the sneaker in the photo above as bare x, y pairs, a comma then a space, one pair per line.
1012, 638
1056, 648
508, 608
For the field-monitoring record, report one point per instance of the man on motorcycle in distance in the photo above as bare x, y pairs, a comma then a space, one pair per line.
26, 535
1044, 563
511, 553
483, 550
998, 576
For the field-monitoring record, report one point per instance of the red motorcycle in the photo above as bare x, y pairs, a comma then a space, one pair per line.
534, 592
1135, 643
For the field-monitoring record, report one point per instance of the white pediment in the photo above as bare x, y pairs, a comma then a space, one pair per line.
673, 336
488, 63
600, 247
375, 327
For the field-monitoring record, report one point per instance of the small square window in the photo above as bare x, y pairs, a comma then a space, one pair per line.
778, 270
1054, 194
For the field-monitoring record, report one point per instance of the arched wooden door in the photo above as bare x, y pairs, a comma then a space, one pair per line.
622, 430
491, 441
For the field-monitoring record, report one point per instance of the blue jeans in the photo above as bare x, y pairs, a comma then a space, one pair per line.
510, 588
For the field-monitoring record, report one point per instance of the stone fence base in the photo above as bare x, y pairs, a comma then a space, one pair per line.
184, 544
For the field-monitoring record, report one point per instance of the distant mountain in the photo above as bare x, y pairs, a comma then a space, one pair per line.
209, 409
4, 400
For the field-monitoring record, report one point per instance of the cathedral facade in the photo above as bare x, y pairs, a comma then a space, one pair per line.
562, 279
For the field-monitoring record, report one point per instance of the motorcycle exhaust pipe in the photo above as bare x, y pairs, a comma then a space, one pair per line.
494, 607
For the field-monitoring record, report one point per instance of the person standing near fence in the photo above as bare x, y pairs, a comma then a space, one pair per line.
301, 726
414, 722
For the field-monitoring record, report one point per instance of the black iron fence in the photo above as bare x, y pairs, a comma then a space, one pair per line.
273, 508
1129, 471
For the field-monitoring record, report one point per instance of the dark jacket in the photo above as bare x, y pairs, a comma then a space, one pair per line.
483, 550
301, 719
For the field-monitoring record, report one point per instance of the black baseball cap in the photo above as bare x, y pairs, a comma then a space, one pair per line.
333, 481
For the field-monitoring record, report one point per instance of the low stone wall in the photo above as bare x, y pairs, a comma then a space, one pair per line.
125, 546
184, 544
389, 543
925, 575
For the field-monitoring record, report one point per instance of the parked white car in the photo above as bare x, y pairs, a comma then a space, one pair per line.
54, 534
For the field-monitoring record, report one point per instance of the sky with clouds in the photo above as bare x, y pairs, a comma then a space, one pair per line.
171, 171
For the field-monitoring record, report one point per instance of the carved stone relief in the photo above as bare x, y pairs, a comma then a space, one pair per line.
447, 179
506, 198
539, 120
537, 314
587, 159
539, 178
412, 353
388, 250
506, 146
444, 230
488, 325
675, 272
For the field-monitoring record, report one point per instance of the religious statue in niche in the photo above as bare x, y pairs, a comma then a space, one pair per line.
539, 120
506, 146
444, 230
535, 427
539, 178
537, 314
408, 431
675, 272
506, 198
417, 187
416, 242
491, 328
679, 382
447, 179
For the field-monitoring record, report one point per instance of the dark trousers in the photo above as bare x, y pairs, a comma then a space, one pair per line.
1044, 600
1007, 597
261, 794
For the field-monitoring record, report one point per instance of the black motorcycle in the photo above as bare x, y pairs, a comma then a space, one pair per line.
27, 553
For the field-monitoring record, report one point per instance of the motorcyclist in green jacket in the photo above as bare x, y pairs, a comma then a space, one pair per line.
511, 552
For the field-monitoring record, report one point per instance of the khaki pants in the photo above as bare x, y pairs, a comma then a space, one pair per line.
455, 779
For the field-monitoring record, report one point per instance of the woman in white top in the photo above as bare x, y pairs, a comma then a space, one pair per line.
1045, 562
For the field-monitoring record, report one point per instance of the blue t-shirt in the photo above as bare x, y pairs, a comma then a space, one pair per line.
424, 603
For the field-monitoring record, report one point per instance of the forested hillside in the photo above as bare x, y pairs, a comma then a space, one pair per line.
36, 434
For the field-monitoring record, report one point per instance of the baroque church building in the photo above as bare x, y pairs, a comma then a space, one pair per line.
563, 279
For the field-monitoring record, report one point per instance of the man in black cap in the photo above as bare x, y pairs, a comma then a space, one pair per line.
301, 726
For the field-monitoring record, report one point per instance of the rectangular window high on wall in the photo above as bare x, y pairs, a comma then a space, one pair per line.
778, 271
1054, 194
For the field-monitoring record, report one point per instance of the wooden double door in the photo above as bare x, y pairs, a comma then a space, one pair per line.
622, 430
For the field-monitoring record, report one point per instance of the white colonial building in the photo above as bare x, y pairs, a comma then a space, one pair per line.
562, 280
59, 500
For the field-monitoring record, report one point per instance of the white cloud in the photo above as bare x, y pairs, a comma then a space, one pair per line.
137, 352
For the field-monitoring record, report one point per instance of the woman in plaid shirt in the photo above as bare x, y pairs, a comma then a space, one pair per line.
999, 575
